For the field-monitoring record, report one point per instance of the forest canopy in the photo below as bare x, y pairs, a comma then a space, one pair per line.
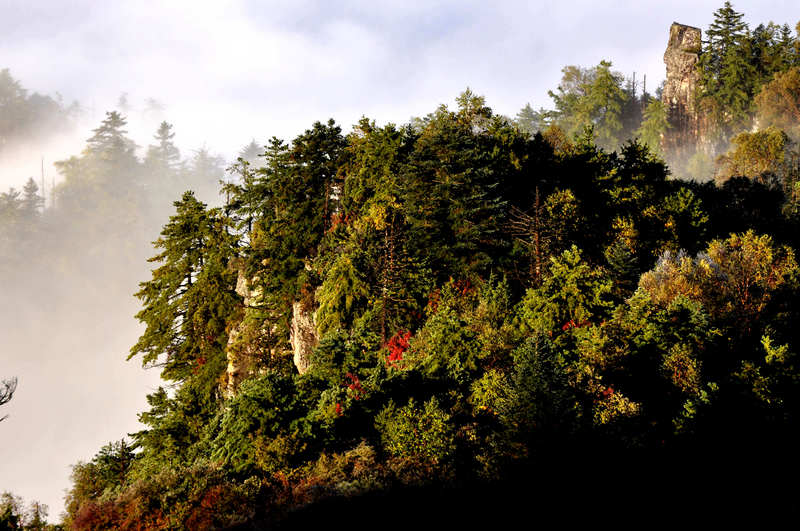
462, 300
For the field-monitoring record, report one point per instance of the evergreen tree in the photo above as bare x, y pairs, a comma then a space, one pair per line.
204, 173
10, 207
592, 98
189, 298
32, 202
729, 77
109, 141
164, 155
12, 103
532, 122
654, 125
251, 153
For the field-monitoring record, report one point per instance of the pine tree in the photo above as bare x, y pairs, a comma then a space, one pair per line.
251, 153
654, 125
12, 104
164, 154
729, 77
204, 173
452, 190
32, 202
607, 98
189, 298
594, 98
109, 141
532, 122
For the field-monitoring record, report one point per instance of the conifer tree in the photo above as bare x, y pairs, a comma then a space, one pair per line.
251, 153
109, 141
531, 121
592, 98
653, 126
32, 202
189, 298
164, 155
729, 77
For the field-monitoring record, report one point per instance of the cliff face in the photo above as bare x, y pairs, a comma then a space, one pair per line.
242, 351
680, 86
251, 342
303, 336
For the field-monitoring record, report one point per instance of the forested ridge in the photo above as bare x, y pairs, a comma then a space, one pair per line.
465, 303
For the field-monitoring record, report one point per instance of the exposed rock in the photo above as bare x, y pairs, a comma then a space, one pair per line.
680, 87
243, 348
251, 343
239, 366
303, 335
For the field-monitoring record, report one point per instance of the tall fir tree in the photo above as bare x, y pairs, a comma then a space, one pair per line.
729, 77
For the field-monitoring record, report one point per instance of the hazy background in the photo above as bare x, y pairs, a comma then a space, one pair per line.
227, 72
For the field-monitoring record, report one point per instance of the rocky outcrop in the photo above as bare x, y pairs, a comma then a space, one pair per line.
252, 343
680, 86
242, 349
303, 335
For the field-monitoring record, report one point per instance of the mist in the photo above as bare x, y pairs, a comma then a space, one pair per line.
225, 73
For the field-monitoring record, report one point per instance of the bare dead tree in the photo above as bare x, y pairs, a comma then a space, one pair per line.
7, 389
530, 228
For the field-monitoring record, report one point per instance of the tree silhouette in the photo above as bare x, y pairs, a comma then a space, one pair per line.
7, 390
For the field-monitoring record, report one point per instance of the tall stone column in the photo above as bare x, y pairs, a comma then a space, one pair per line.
680, 87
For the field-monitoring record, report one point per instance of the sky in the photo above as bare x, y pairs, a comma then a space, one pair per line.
231, 71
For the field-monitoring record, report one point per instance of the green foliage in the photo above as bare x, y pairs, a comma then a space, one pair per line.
447, 347
542, 404
267, 408
778, 102
654, 125
532, 122
29, 116
773, 379
190, 297
196, 497
418, 433
573, 292
761, 154
342, 292
482, 297
14, 516
102, 477
592, 97
728, 75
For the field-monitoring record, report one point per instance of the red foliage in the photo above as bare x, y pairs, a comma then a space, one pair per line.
338, 409
397, 345
607, 392
354, 385
464, 287
572, 324
94, 515
337, 219
433, 300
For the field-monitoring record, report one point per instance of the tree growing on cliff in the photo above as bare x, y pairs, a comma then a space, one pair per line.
190, 296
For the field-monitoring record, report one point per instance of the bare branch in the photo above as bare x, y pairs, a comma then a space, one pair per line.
7, 389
